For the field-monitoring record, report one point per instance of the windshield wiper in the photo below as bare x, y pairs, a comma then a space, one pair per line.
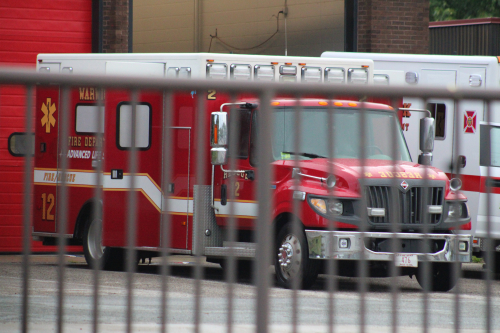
304, 154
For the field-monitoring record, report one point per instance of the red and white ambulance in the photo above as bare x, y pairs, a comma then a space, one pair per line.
476, 151
296, 255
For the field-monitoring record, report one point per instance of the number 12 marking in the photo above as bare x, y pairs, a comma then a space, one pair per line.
46, 213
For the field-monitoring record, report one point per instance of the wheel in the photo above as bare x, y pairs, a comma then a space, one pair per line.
97, 254
442, 277
292, 261
495, 262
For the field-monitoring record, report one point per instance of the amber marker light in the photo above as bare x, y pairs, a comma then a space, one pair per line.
210, 60
302, 63
338, 103
323, 103
288, 63
352, 104
273, 63
275, 103
364, 66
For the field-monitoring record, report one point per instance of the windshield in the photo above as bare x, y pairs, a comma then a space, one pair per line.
379, 129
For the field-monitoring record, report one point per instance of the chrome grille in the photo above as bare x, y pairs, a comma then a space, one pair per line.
408, 205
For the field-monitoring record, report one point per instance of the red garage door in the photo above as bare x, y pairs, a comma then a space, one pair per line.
27, 28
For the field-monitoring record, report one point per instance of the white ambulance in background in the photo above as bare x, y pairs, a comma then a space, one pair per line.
475, 151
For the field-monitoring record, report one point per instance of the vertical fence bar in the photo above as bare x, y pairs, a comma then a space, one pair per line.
200, 179
230, 265
264, 240
362, 265
393, 212
296, 224
489, 259
62, 198
27, 208
425, 269
131, 255
165, 241
332, 264
456, 265
97, 209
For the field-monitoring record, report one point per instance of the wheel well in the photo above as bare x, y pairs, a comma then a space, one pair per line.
280, 221
84, 214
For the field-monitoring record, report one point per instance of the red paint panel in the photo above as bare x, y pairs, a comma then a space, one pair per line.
28, 28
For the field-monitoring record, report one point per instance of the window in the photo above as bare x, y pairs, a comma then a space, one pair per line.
18, 144
86, 118
489, 154
142, 126
243, 133
438, 112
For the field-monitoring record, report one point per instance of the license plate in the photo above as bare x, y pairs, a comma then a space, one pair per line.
406, 260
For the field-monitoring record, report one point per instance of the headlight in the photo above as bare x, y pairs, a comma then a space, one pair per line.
335, 207
319, 205
327, 206
457, 209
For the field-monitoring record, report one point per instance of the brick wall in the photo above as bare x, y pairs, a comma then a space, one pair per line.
115, 26
393, 26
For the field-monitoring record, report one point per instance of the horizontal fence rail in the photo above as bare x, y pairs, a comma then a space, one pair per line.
301, 188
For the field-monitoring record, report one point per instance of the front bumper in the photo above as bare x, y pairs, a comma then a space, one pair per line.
326, 245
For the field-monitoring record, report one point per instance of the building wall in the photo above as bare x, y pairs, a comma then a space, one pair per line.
27, 28
115, 26
393, 26
465, 37
313, 26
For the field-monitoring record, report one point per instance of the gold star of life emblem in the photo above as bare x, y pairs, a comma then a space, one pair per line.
432, 176
48, 119
368, 174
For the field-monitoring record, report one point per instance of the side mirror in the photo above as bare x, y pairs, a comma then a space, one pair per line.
426, 140
218, 129
218, 138
218, 156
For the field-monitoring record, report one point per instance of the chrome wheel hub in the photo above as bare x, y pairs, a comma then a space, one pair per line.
94, 239
289, 256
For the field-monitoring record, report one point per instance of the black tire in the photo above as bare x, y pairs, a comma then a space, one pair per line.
496, 263
291, 259
441, 277
95, 253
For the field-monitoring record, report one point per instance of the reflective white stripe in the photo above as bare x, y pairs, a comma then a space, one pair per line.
142, 182
72, 177
180, 205
240, 208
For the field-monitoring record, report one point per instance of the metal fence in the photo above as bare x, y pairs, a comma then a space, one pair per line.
264, 234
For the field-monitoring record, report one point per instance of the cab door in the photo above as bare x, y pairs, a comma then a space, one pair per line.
236, 186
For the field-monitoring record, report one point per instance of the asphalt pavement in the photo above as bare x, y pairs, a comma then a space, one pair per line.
313, 315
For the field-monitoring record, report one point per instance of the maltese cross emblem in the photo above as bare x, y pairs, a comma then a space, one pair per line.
48, 118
